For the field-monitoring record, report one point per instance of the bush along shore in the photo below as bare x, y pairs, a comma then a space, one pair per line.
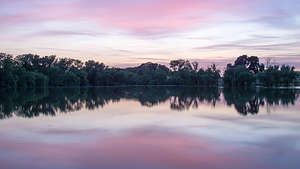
34, 71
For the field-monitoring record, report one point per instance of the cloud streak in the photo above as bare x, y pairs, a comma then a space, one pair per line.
270, 47
140, 17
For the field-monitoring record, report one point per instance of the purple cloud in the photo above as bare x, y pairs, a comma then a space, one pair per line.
140, 17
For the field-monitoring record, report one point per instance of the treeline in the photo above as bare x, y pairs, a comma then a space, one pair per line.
247, 71
53, 101
29, 71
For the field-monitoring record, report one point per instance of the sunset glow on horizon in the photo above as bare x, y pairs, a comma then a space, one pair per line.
130, 32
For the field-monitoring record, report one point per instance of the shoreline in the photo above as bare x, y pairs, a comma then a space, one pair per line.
125, 86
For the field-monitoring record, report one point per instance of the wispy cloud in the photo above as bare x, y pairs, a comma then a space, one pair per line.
230, 46
140, 17
65, 33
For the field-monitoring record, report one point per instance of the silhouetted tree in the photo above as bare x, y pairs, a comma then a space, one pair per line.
30, 71
276, 76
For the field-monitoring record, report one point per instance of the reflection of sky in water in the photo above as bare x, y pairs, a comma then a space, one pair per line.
127, 135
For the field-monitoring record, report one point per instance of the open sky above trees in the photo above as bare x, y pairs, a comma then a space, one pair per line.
129, 32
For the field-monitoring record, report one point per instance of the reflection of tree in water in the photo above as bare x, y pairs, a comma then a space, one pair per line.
248, 101
17, 102
192, 97
147, 96
63, 100
35, 102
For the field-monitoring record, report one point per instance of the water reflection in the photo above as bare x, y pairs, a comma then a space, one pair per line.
49, 102
150, 127
146, 149
248, 101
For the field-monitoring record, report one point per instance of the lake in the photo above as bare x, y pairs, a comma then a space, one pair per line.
150, 128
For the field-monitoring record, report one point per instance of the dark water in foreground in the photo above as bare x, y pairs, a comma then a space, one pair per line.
150, 128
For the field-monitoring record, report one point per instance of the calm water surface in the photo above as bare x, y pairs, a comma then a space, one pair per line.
150, 128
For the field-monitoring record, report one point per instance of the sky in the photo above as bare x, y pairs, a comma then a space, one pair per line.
129, 32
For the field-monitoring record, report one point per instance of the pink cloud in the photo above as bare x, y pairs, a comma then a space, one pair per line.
140, 17
158, 16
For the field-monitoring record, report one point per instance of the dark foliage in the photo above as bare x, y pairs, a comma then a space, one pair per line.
247, 71
30, 71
